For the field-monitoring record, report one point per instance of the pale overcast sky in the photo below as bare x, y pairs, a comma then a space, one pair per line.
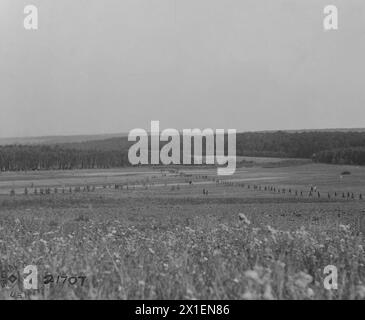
105, 66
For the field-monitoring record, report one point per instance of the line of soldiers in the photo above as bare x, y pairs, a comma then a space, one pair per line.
55, 190
312, 192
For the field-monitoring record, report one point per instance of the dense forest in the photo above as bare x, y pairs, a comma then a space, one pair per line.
295, 145
35, 157
342, 156
328, 147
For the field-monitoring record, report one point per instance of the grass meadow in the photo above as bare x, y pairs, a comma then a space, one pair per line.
165, 239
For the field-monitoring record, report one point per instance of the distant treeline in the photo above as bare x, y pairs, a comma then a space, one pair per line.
355, 156
266, 144
41, 157
295, 145
328, 147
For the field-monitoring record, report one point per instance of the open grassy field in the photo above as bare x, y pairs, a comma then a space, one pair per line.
158, 236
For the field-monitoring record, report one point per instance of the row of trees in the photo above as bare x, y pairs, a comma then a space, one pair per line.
268, 144
295, 145
344, 147
41, 157
355, 156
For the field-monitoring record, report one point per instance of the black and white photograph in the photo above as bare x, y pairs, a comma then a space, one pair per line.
182, 154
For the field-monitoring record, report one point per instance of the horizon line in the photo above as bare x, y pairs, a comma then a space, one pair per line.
126, 133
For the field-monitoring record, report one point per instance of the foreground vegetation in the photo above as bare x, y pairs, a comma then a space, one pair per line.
158, 250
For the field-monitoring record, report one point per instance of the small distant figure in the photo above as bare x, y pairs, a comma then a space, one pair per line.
329, 196
335, 194
204, 191
319, 195
360, 196
301, 193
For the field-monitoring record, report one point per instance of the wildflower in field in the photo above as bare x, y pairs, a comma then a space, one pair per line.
310, 293
360, 291
224, 227
343, 227
302, 279
272, 230
253, 275
268, 292
249, 296
303, 233
244, 219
